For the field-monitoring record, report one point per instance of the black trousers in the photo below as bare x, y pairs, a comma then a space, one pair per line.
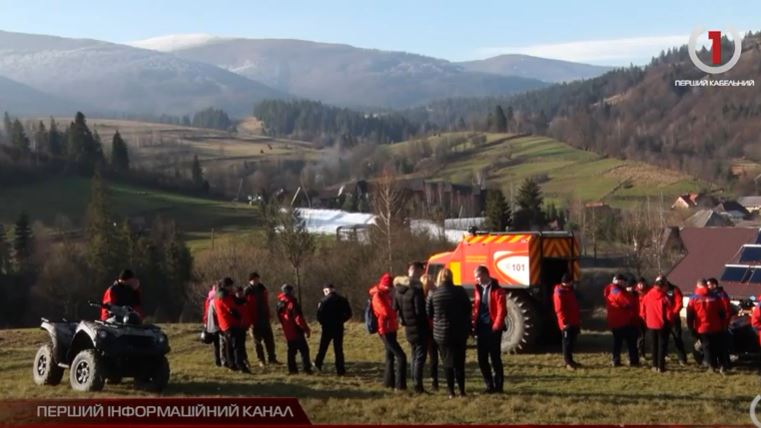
569, 343
641, 345
299, 346
712, 349
725, 343
676, 333
263, 338
660, 339
235, 344
433, 354
218, 354
453, 356
395, 373
489, 347
337, 337
630, 335
419, 351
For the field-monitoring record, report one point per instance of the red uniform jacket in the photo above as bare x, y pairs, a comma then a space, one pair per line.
755, 318
655, 309
382, 304
566, 307
251, 309
291, 318
244, 309
677, 301
706, 312
228, 315
727, 304
497, 305
622, 306
121, 294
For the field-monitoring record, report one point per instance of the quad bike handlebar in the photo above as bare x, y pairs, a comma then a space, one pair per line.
122, 314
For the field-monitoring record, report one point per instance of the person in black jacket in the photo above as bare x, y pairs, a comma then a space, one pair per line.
409, 303
332, 312
450, 308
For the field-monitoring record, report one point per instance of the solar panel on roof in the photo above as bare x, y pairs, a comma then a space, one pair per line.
750, 254
734, 274
755, 278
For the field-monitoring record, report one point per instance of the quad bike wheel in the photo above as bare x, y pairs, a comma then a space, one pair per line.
155, 376
86, 372
45, 369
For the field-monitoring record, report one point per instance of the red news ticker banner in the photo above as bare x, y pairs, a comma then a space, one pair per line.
153, 412
177, 413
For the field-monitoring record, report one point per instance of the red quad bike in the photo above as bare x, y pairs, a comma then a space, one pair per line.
100, 351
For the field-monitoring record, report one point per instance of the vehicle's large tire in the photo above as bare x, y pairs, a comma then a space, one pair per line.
86, 372
45, 370
523, 324
155, 377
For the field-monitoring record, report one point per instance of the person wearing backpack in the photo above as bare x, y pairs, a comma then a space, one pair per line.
332, 312
381, 301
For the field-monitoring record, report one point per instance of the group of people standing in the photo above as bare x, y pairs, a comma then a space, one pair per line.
635, 308
438, 318
230, 312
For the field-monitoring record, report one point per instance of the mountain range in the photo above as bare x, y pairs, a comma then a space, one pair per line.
183, 74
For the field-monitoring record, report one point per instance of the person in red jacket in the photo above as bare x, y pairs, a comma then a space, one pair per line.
488, 323
295, 329
623, 319
655, 309
755, 320
125, 291
243, 306
641, 288
676, 300
230, 319
567, 312
381, 296
724, 339
261, 330
706, 319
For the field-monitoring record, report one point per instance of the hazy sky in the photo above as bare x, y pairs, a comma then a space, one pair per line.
599, 32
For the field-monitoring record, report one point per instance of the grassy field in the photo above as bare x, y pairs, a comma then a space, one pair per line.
158, 146
571, 173
537, 389
61, 204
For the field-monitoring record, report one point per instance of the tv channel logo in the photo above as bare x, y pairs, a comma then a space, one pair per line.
715, 67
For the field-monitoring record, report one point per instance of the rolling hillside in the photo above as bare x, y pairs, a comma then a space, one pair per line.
565, 173
115, 78
350, 76
547, 70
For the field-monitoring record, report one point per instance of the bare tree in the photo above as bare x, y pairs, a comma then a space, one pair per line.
389, 206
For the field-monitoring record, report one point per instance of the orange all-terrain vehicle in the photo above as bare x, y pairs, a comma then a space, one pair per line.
528, 264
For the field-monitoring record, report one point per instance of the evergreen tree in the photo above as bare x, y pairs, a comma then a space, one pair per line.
119, 154
196, 172
498, 214
500, 121
509, 119
55, 143
7, 125
5, 253
18, 138
40, 138
22, 243
530, 215
106, 250
82, 146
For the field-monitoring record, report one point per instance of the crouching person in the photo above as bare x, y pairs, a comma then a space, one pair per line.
295, 329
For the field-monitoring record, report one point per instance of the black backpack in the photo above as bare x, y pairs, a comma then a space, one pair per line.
371, 321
